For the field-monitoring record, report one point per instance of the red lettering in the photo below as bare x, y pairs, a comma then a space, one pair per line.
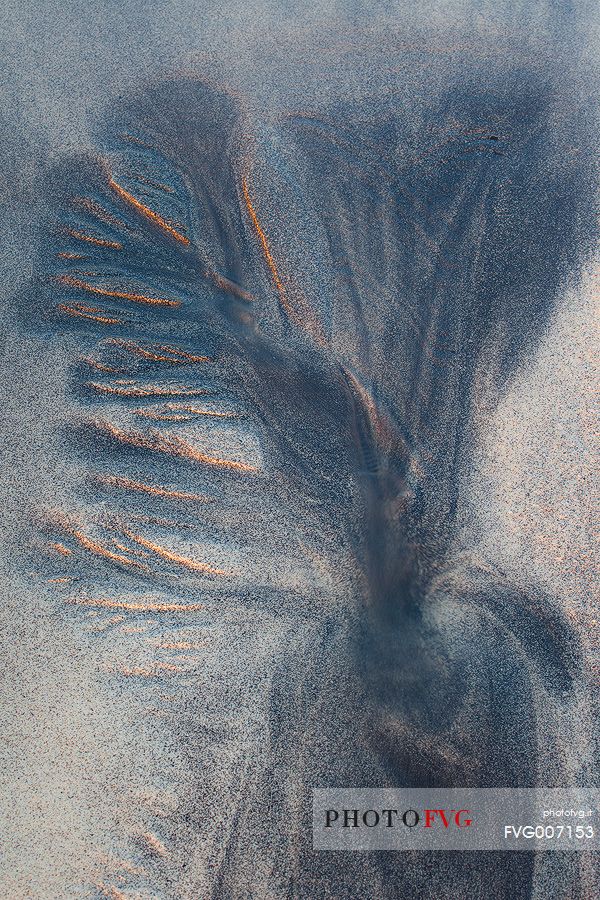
457, 818
430, 815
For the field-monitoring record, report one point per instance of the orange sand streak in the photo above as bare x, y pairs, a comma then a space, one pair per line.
129, 485
131, 347
183, 353
263, 240
170, 556
149, 391
199, 412
121, 864
98, 242
108, 623
121, 295
110, 891
300, 313
154, 844
146, 211
93, 364
172, 444
78, 312
127, 549
163, 416
155, 672
112, 864
94, 547
148, 414
60, 548
133, 606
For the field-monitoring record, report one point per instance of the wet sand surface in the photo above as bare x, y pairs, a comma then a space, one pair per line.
298, 414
